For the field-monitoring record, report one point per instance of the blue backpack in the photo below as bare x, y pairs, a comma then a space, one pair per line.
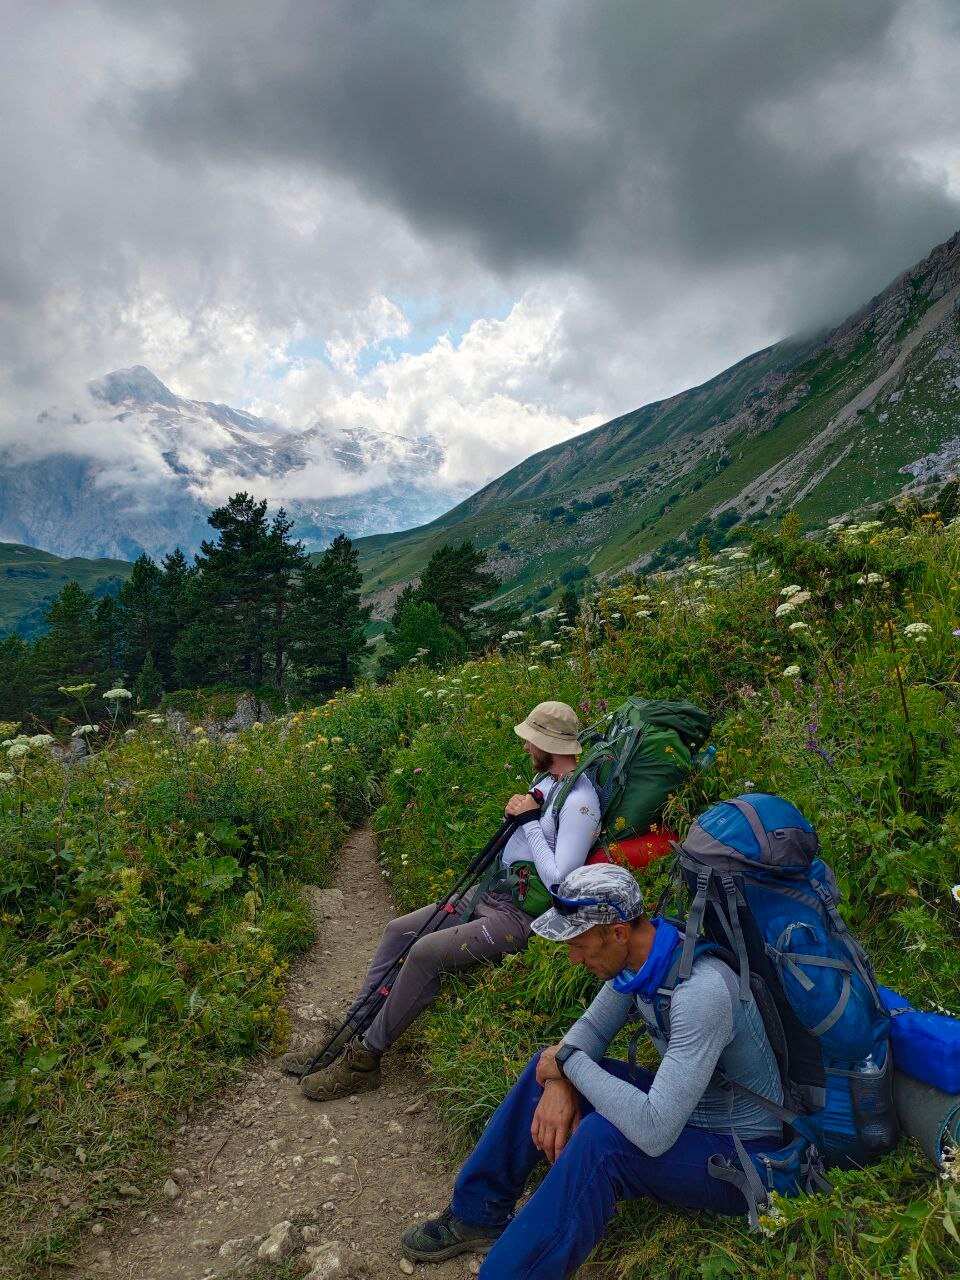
763, 899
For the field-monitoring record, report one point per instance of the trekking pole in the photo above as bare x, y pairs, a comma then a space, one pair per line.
359, 1019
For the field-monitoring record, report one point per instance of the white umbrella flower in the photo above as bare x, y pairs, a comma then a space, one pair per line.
917, 630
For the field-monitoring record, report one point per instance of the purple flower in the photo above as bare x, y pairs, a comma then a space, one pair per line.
814, 744
956, 631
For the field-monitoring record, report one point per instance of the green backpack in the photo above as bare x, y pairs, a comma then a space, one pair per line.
636, 757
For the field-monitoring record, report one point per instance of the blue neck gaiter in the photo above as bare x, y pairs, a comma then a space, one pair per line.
649, 979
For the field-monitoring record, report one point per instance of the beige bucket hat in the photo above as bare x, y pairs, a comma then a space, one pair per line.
553, 727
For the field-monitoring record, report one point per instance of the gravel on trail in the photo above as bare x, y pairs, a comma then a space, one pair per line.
264, 1179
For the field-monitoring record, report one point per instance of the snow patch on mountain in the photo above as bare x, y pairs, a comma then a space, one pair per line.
134, 467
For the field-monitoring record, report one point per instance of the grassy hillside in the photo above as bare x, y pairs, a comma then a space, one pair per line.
849, 715
31, 579
148, 901
816, 427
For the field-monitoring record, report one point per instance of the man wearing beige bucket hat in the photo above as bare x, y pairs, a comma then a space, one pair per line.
492, 921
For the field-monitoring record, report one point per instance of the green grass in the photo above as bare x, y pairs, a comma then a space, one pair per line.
31, 579
886, 805
149, 902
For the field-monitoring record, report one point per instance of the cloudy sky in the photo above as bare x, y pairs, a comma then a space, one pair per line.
499, 222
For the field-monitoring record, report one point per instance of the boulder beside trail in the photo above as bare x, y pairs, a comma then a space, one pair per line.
283, 1240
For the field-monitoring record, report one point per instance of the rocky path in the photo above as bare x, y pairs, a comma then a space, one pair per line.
325, 1189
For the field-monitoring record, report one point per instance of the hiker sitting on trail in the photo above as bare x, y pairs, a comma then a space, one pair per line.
611, 1132
544, 847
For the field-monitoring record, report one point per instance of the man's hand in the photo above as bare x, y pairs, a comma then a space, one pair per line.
547, 1068
556, 1117
517, 805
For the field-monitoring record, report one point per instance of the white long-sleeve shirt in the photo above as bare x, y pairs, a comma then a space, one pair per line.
557, 847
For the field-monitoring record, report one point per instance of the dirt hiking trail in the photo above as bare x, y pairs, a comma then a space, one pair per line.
345, 1177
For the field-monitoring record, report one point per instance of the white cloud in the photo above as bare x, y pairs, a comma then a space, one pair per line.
250, 209
487, 398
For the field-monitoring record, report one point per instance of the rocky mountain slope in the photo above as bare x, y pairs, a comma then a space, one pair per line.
819, 425
134, 467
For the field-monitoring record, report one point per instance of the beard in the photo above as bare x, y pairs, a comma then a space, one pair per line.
542, 760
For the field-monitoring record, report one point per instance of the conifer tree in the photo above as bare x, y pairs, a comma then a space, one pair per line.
456, 581
69, 647
179, 602
140, 602
148, 685
421, 634
228, 641
330, 619
17, 678
285, 564
109, 638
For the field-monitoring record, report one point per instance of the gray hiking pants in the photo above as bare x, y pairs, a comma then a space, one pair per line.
498, 928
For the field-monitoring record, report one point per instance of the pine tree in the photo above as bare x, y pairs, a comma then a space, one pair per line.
227, 639
17, 678
421, 634
456, 581
109, 639
286, 562
570, 605
178, 607
69, 647
148, 685
140, 604
330, 620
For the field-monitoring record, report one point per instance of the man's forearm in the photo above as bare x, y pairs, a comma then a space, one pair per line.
594, 1030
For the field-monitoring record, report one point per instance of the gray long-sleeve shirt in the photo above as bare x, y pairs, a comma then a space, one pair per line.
709, 1028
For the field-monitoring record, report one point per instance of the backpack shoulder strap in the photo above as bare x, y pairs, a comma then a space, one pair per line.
661, 1001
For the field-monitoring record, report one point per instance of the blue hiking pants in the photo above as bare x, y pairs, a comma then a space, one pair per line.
566, 1216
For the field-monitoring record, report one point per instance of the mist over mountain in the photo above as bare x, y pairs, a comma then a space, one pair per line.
132, 467
820, 426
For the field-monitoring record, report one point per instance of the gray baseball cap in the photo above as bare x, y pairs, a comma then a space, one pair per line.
601, 894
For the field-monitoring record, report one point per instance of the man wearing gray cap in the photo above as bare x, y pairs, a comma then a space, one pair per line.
489, 923
611, 1131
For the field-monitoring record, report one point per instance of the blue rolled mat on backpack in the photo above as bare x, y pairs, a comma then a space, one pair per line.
925, 1046
926, 1086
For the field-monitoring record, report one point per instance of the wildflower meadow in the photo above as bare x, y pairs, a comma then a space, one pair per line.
150, 897
832, 666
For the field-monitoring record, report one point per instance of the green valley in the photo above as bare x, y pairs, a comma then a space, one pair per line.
31, 579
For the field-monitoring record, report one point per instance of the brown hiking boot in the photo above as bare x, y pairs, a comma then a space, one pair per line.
295, 1061
357, 1071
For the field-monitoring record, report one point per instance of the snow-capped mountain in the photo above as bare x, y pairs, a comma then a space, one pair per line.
134, 467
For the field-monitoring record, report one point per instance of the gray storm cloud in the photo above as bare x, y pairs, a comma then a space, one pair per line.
197, 187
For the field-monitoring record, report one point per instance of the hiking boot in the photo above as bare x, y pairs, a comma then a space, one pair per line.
295, 1062
445, 1237
357, 1071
